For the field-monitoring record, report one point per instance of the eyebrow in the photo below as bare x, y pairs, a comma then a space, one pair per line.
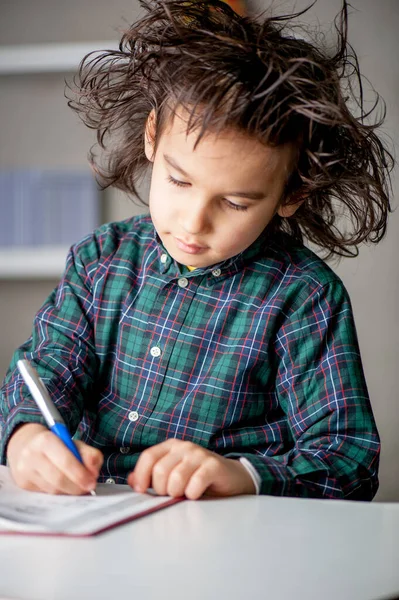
249, 195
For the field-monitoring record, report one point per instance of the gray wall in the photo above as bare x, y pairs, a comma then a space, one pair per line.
38, 129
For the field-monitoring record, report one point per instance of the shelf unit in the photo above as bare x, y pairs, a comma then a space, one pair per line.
41, 262
44, 262
47, 58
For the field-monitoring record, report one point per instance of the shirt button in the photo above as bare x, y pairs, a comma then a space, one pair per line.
155, 351
133, 416
164, 258
216, 272
124, 450
182, 282
110, 480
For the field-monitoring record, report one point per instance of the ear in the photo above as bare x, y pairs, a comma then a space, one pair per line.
149, 136
287, 210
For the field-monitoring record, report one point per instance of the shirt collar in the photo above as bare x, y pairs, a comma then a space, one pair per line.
215, 272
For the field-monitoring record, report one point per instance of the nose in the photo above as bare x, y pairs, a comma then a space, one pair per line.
196, 218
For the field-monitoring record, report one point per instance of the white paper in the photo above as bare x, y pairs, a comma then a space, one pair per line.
35, 512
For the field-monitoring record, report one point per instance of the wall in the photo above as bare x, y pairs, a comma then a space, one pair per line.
26, 102
39, 130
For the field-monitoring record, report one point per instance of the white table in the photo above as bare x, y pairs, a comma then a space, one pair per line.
237, 548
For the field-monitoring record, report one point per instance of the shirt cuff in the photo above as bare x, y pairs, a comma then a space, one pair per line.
252, 472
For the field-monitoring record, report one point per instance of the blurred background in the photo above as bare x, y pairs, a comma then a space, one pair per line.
43, 155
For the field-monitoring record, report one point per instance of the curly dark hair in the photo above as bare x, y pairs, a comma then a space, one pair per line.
256, 75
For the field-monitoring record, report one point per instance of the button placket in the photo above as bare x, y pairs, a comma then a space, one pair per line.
161, 340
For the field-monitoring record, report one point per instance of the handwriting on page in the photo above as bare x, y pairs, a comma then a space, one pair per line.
24, 507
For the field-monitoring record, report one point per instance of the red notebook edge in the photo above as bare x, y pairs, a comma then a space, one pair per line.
113, 525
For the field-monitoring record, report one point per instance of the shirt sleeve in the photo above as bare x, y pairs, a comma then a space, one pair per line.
320, 386
61, 348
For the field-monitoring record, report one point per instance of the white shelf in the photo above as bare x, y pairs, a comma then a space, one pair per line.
45, 262
47, 58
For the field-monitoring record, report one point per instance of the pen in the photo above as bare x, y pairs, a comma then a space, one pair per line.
50, 413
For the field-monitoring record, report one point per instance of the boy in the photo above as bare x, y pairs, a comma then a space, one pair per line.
204, 349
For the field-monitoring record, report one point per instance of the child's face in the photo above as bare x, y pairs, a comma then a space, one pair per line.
211, 203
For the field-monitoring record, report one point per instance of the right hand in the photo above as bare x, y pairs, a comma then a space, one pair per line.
40, 461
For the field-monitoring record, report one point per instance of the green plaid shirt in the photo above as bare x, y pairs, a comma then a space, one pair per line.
256, 357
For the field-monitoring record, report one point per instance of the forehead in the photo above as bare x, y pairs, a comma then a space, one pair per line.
231, 152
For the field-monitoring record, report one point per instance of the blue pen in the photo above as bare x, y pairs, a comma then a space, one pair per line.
51, 415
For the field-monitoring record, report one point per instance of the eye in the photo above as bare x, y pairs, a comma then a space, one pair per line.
235, 206
177, 182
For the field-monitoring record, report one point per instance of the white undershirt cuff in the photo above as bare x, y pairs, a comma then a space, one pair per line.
253, 473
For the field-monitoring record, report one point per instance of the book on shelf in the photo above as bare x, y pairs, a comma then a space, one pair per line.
47, 207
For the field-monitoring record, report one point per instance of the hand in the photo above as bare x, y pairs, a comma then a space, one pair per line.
39, 461
177, 468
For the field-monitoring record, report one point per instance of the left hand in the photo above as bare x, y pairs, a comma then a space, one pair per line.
178, 468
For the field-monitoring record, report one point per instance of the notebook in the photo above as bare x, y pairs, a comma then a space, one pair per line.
26, 512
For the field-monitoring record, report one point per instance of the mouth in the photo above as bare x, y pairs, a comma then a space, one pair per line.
188, 247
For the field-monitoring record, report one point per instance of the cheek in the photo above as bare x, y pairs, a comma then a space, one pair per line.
158, 212
245, 230
159, 201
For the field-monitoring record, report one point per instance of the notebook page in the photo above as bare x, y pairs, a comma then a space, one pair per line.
24, 511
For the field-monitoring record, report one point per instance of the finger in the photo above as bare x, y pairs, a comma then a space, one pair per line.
161, 472
55, 481
141, 477
207, 474
37, 483
192, 457
58, 454
34, 483
180, 477
92, 457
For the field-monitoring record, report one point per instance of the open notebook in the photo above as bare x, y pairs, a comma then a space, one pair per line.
36, 513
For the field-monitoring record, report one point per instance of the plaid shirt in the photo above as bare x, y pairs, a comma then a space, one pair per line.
256, 357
